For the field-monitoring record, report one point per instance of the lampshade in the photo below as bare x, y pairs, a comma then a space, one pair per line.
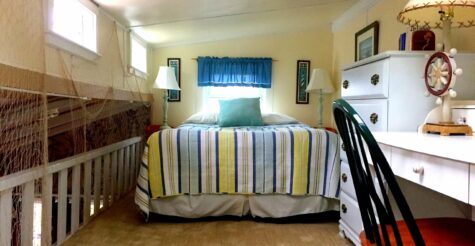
425, 13
320, 80
166, 79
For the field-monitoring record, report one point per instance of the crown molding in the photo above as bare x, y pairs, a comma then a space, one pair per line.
357, 9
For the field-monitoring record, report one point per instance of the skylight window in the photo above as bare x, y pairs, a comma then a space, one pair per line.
138, 54
72, 27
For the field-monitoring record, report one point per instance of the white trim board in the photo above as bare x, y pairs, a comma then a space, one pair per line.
355, 10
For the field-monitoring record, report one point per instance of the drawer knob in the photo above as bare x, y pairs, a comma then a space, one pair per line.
346, 84
375, 79
344, 177
343, 208
418, 170
343, 147
373, 118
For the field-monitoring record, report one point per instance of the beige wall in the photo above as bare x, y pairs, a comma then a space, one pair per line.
390, 28
314, 45
22, 45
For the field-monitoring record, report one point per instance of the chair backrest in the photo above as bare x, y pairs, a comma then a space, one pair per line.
376, 212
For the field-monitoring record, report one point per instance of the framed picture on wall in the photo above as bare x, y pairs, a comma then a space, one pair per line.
175, 95
366, 41
303, 77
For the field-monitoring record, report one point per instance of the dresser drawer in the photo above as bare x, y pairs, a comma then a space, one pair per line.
347, 180
373, 112
368, 81
350, 213
443, 175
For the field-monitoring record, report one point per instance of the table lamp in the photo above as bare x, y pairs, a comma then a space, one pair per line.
439, 14
320, 82
166, 80
441, 69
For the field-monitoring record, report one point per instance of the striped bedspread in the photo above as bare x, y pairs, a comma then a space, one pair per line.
205, 159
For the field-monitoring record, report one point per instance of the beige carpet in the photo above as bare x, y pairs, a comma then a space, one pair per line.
123, 225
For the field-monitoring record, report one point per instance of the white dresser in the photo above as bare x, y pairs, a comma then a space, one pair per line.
387, 91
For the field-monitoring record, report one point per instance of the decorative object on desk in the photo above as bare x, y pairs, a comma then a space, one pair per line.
166, 80
402, 41
439, 14
175, 63
441, 69
303, 77
320, 82
423, 40
440, 75
366, 41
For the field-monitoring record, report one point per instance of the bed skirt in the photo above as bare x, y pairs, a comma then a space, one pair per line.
264, 206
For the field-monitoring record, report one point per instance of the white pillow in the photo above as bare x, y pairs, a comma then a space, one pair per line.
203, 118
277, 119
212, 118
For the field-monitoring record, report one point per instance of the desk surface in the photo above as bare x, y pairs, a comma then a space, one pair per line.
460, 148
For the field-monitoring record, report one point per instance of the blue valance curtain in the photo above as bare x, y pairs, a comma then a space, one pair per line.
227, 71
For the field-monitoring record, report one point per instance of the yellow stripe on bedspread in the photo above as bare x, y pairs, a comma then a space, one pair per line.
154, 171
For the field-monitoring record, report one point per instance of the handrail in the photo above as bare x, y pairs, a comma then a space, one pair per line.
19, 178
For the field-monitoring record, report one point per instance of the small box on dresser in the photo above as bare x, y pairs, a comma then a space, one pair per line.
387, 91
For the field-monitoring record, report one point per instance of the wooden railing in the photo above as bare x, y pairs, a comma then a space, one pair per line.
96, 179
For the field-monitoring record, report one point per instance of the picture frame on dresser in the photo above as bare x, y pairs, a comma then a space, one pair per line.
366, 41
175, 63
303, 78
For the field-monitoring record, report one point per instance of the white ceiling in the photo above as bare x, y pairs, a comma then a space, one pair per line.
172, 22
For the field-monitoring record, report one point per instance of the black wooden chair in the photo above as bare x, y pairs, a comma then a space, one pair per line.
380, 225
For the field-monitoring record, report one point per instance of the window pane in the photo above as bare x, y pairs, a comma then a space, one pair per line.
75, 22
138, 55
212, 96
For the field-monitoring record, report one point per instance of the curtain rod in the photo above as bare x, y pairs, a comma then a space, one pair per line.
195, 58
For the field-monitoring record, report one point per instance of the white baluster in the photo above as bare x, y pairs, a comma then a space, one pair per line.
27, 202
87, 191
62, 205
75, 200
6, 217
107, 179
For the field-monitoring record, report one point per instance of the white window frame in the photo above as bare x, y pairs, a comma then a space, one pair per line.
56, 40
132, 69
264, 93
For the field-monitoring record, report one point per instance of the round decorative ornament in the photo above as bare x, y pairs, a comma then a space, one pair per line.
440, 74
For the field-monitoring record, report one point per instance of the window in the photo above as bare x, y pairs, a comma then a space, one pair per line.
72, 25
212, 95
138, 54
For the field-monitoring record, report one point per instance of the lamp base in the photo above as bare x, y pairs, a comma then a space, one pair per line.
447, 129
162, 127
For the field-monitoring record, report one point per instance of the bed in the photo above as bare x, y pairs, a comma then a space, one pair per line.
277, 170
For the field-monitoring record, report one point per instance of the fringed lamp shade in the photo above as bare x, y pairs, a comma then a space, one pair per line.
425, 13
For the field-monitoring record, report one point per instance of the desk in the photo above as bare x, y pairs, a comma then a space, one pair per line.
442, 164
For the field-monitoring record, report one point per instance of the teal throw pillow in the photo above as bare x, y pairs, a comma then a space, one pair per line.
240, 112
